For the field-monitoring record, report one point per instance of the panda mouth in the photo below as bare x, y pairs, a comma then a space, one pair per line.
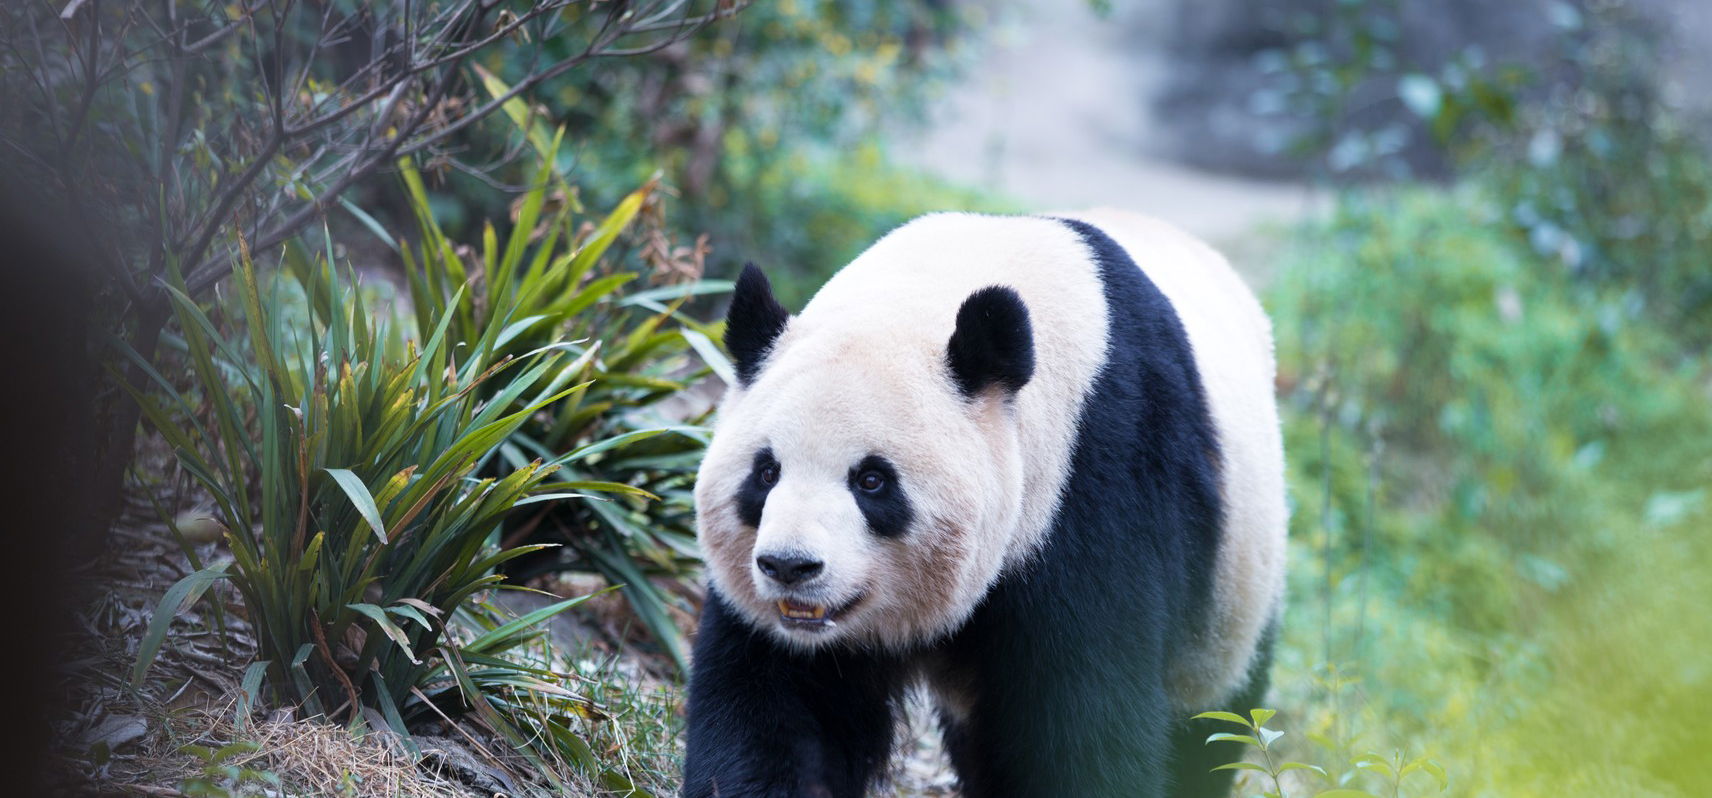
809, 616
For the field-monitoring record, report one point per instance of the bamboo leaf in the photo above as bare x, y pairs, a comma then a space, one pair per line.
502, 636
249, 691
1243, 766
711, 355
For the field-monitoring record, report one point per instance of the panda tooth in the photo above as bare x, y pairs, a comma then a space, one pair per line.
801, 612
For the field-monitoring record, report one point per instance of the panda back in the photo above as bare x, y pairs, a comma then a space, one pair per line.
1231, 338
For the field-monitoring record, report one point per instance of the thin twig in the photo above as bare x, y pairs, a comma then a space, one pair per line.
332, 664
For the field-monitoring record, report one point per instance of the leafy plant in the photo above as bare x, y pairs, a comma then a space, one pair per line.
760, 126
553, 284
1258, 737
170, 127
221, 779
1395, 769
346, 462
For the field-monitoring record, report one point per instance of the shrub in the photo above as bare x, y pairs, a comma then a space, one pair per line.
1490, 463
1261, 741
346, 462
551, 286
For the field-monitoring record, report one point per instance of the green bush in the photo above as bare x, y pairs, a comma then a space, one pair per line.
548, 287
355, 471
1495, 473
808, 215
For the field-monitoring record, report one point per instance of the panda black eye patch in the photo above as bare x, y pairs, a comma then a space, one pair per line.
880, 496
764, 473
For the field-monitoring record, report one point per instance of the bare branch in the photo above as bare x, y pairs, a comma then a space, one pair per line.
321, 118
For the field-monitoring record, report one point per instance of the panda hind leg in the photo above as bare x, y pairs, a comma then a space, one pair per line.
1193, 758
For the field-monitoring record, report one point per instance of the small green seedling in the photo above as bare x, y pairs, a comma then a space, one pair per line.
1395, 769
1262, 738
219, 778
1257, 736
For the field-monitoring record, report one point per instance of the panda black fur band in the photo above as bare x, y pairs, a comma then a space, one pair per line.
1030, 462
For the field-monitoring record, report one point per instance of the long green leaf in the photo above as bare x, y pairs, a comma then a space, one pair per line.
183, 593
499, 638
387, 627
359, 494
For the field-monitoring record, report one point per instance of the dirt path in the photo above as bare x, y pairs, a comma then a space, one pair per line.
1056, 112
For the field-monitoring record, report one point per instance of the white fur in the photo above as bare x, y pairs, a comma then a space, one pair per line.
862, 371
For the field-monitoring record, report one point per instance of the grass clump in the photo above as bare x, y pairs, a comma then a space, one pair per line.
631, 352
363, 476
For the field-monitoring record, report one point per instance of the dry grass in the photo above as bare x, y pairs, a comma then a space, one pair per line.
310, 757
306, 756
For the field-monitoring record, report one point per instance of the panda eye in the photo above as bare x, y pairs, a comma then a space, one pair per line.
871, 481
769, 474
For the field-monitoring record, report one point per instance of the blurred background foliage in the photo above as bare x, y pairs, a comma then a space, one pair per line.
1497, 409
767, 130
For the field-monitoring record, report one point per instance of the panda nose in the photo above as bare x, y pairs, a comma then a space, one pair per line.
788, 569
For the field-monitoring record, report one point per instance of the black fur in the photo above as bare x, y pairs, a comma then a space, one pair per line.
771, 721
1064, 660
993, 343
887, 510
752, 495
753, 322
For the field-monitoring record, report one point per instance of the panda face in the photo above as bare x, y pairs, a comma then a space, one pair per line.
841, 506
862, 487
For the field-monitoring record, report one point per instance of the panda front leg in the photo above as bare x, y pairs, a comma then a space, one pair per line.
1104, 756
1053, 705
766, 721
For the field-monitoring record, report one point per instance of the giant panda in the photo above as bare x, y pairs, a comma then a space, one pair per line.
1030, 462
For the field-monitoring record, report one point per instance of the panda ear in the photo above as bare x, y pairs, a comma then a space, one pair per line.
993, 344
753, 322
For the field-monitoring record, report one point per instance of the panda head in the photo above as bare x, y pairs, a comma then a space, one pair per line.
864, 479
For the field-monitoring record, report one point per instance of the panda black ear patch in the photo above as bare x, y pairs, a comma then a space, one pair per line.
993, 344
753, 322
